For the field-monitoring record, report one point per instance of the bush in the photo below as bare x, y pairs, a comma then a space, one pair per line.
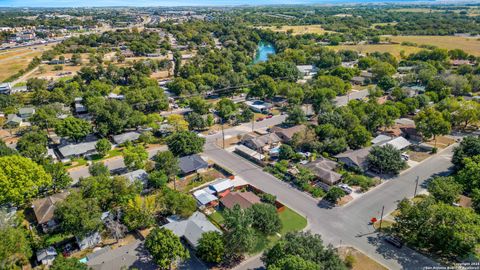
268, 198
334, 194
364, 182
349, 261
317, 192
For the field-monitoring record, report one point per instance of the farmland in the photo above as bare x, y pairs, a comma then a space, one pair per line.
394, 49
11, 61
470, 45
298, 29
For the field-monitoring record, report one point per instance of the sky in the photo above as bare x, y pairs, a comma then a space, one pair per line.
141, 3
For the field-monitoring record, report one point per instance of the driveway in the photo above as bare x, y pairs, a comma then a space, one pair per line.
345, 225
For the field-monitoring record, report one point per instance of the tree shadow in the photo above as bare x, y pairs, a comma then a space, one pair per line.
324, 204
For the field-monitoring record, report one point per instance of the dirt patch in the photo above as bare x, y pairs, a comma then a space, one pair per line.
394, 49
298, 29
360, 260
344, 200
441, 142
418, 156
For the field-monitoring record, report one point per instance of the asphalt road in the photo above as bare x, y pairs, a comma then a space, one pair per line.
343, 100
347, 225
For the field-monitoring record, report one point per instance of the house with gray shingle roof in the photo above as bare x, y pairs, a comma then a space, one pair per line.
324, 170
126, 137
355, 158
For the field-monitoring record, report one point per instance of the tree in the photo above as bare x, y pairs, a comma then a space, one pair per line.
334, 194
196, 121
264, 86
5, 150
305, 246
139, 213
103, 146
442, 229
109, 192
468, 112
468, 147
98, 169
60, 177
177, 122
291, 262
265, 218
199, 105
468, 175
74, 128
62, 263
240, 235
185, 143
385, 159
286, 152
157, 179
431, 123
445, 189
166, 162
15, 249
78, 216
211, 247
135, 157
33, 144
226, 108
177, 203
383, 69
359, 137
21, 179
296, 116
165, 248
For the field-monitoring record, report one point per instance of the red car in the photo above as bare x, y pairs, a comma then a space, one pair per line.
260, 119
269, 116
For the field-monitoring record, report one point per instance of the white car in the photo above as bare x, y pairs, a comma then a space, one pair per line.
346, 188
405, 156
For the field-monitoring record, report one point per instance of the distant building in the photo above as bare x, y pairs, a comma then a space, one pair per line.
262, 142
307, 70
13, 120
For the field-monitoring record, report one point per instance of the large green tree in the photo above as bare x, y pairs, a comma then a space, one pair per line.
468, 147
78, 216
445, 189
240, 236
15, 250
432, 123
135, 157
74, 128
265, 218
385, 159
185, 143
33, 144
165, 248
211, 247
103, 146
21, 179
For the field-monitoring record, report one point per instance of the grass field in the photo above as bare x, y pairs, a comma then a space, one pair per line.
470, 45
298, 29
394, 49
12, 61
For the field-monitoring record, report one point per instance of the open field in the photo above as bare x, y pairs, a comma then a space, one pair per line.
394, 49
470, 45
12, 61
298, 29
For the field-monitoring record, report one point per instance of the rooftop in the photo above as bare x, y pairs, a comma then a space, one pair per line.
243, 199
125, 137
77, 149
191, 163
44, 208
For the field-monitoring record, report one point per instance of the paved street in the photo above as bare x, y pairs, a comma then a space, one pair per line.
112, 163
346, 225
343, 100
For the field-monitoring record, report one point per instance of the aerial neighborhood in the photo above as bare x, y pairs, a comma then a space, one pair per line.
244, 137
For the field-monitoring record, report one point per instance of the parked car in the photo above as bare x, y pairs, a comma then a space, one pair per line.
394, 241
260, 119
405, 156
345, 188
269, 116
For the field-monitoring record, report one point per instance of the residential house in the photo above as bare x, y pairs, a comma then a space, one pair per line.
77, 149
89, 241
357, 80
191, 164
286, 133
26, 112
261, 143
5, 88
380, 139
308, 110
205, 198
324, 170
399, 143
404, 70
459, 62
137, 175
307, 70
79, 107
191, 229
13, 120
220, 187
126, 137
249, 153
259, 106
413, 90
355, 158
243, 199
115, 96
44, 209
350, 64
46, 256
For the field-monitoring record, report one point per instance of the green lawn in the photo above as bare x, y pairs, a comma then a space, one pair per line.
292, 221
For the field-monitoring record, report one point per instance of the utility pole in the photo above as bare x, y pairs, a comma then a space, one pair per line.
253, 122
223, 136
416, 186
381, 218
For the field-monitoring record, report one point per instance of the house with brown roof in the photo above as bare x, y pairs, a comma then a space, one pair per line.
286, 133
243, 199
44, 209
262, 142
324, 170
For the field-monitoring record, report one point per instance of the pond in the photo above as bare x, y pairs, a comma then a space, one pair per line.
264, 49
